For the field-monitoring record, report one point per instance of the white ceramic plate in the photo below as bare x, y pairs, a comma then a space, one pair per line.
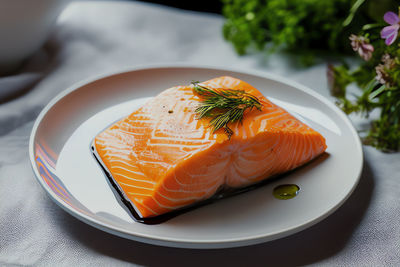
64, 166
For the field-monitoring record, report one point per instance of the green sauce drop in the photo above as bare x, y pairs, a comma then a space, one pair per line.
286, 191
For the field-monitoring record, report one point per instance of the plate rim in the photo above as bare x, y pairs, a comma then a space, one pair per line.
176, 242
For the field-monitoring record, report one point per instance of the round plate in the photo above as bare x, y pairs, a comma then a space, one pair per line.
66, 169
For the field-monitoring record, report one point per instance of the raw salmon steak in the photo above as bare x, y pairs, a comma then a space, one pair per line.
162, 157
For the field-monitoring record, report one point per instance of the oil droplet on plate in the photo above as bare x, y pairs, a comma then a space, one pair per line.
286, 191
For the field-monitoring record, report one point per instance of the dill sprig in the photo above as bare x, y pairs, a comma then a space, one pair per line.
223, 106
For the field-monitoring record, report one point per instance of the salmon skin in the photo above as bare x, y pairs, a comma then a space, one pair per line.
162, 158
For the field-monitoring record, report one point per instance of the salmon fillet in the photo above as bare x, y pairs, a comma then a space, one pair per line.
163, 158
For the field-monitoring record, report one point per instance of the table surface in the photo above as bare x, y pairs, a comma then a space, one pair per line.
93, 38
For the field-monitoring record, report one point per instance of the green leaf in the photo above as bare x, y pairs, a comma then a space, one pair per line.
377, 92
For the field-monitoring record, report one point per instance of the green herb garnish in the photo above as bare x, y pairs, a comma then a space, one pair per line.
223, 106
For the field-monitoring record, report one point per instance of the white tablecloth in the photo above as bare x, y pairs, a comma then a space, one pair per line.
93, 38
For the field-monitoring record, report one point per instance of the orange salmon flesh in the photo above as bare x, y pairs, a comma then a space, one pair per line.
163, 158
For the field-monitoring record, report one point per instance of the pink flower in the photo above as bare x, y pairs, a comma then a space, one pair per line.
390, 32
382, 75
361, 45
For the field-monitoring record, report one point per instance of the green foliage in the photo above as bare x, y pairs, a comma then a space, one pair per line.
292, 24
381, 94
297, 24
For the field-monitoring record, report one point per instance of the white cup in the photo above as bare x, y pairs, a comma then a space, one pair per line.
24, 27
